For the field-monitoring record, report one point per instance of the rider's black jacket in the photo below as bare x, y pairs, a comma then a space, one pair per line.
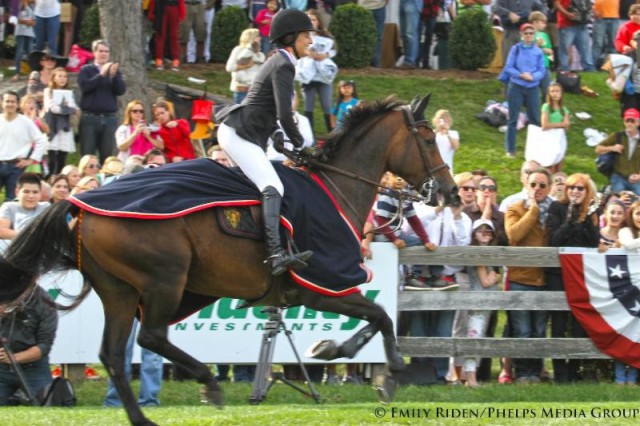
269, 99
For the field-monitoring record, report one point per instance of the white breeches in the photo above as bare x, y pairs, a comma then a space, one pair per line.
251, 159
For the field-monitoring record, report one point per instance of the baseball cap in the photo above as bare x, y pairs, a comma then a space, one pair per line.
525, 26
631, 113
479, 222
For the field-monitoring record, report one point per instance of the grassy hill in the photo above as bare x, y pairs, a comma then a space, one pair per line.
464, 94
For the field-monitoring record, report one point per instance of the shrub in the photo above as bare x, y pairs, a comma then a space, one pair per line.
355, 34
90, 27
471, 42
228, 24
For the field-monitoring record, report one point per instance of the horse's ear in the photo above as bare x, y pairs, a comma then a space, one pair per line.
419, 108
414, 102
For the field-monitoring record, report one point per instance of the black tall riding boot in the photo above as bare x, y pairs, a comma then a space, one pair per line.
278, 259
327, 122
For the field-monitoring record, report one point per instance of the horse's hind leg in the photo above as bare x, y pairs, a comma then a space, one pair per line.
159, 305
357, 306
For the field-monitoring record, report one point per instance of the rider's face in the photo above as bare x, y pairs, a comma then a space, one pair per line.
302, 44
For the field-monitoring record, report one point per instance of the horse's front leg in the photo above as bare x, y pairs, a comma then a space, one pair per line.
119, 304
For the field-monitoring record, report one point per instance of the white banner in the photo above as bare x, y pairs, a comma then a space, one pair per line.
220, 333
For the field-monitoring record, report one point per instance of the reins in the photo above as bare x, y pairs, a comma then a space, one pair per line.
302, 158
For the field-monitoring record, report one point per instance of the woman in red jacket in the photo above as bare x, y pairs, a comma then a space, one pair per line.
174, 133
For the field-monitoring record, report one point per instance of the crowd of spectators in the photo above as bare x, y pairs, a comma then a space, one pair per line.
552, 209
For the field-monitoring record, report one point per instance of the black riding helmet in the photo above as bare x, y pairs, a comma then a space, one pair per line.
288, 22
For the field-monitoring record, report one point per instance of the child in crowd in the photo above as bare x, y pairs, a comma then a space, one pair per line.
628, 238
29, 108
555, 116
539, 22
347, 99
482, 278
24, 33
59, 107
263, 21
448, 140
388, 220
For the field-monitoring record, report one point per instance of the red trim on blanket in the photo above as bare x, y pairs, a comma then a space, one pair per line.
161, 216
319, 181
325, 291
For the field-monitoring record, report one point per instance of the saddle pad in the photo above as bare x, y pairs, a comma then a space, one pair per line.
309, 212
240, 222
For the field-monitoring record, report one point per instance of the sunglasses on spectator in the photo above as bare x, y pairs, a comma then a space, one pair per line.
630, 120
490, 188
572, 187
93, 166
468, 188
528, 33
47, 58
540, 185
141, 111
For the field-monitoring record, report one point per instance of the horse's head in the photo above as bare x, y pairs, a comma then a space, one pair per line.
418, 159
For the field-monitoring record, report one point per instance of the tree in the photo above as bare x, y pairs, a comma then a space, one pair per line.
121, 26
471, 42
355, 47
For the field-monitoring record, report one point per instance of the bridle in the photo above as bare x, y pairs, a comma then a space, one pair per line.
429, 186
414, 128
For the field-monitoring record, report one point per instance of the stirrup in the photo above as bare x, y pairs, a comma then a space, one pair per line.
279, 263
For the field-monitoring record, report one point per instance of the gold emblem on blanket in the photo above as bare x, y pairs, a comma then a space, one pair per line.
233, 217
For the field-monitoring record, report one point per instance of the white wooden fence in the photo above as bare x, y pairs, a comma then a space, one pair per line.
498, 300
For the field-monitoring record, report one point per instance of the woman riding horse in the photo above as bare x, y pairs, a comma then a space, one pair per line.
246, 128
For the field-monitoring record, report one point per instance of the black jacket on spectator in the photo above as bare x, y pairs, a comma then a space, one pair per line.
35, 324
571, 233
99, 94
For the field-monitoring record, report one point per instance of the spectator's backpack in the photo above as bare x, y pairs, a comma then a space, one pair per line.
59, 393
582, 10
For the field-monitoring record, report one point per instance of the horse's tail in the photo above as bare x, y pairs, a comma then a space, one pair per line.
45, 245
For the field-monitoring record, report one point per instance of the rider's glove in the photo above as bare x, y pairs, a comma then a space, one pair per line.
278, 140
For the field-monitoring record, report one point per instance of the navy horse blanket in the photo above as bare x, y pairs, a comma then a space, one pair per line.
309, 212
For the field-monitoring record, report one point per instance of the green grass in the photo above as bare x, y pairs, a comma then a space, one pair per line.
349, 404
482, 146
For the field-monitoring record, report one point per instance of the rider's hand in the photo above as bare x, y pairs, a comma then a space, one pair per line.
278, 140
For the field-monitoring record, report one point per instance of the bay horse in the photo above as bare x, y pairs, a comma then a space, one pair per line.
131, 262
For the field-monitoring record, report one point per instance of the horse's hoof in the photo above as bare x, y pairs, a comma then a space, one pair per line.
212, 394
323, 349
215, 397
386, 388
